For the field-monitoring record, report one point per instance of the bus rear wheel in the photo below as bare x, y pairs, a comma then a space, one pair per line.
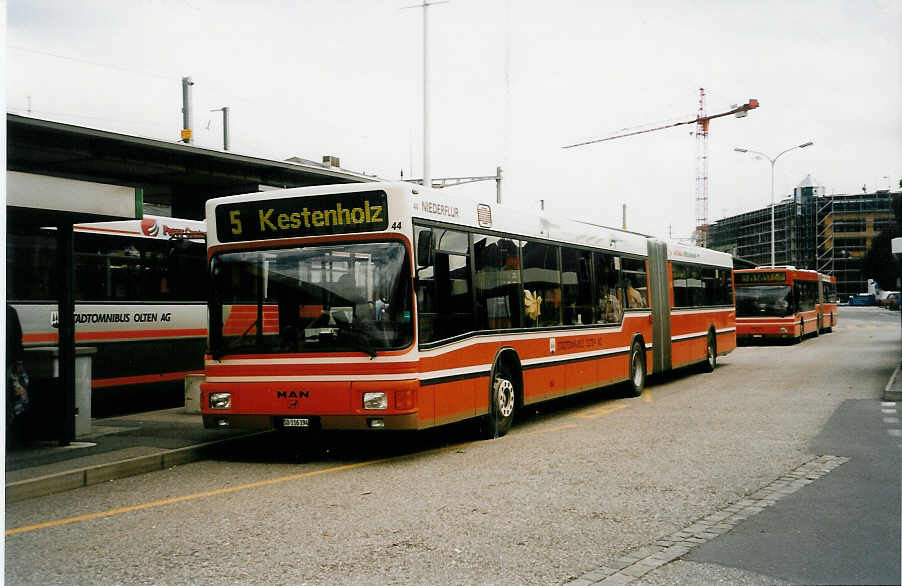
502, 400
637, 369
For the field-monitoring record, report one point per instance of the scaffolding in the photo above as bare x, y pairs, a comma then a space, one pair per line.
830, 234
824, 226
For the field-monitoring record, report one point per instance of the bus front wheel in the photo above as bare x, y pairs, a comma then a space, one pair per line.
503, 398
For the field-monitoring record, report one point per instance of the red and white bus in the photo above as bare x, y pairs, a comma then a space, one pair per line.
140, 300
784, 303
391, 306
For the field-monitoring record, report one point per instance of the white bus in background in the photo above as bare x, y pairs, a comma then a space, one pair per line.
140, 291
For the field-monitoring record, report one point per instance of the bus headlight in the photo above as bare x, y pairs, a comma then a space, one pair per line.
375, 401
220, 400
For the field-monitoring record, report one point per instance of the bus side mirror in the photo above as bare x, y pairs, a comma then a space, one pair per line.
425, 250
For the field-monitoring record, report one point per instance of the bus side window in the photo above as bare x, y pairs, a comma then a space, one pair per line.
443, 289
717, 288
425, 289
635, 283
678, 282
497, 282
576, 286
610, 309
541, 284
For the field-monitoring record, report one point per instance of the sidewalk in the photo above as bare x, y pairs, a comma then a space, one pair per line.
893, 389
117, 447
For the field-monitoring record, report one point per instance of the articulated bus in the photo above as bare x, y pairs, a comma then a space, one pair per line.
784, 303
392, 306
141, 295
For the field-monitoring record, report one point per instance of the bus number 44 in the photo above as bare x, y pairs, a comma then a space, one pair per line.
396, 225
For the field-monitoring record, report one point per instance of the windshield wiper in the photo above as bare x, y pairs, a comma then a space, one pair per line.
358, 337
246, 332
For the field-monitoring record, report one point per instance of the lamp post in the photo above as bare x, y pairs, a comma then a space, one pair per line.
772, 163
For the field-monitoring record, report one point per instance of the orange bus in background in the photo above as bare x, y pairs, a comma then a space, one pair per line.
783, 303
392, 306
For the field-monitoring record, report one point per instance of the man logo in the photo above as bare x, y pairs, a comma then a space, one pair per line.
150, 227
293, 395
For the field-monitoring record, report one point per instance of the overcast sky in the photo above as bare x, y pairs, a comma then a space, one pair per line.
512, 81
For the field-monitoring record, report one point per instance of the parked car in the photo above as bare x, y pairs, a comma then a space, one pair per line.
883, 297
862, 299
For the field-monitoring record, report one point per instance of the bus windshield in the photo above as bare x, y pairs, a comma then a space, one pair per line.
349, 297
764, 301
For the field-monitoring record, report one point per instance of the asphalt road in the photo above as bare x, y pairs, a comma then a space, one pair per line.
574, 487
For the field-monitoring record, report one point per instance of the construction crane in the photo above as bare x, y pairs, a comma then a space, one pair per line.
701, 121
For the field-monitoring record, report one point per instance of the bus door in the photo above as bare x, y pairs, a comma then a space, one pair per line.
820, 303
660, 305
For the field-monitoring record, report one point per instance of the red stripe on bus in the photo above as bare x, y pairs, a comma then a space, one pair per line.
126, 335
32, 338
147, 378
177, 333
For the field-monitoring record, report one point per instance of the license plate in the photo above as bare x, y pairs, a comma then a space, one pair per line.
296, 422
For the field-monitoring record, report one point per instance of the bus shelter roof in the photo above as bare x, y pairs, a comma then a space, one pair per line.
173, 174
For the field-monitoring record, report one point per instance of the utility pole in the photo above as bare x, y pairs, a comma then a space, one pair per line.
427, 175
225, 126
187, 136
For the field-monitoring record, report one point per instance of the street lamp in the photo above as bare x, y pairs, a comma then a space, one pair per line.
772, 163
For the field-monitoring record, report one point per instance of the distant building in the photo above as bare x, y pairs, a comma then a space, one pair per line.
828, 233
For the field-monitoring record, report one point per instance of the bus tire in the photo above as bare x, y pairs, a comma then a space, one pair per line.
502, 401
710, 362
638, 373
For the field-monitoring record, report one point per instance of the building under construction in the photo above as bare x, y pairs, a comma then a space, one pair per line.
828, 233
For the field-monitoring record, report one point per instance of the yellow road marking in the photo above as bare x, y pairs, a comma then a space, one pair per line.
646, 395
593, 413
220, 491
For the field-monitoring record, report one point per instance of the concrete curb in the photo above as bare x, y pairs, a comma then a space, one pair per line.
893, 389
63, 481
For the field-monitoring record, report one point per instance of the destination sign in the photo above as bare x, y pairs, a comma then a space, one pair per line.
760, 277
292, 217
